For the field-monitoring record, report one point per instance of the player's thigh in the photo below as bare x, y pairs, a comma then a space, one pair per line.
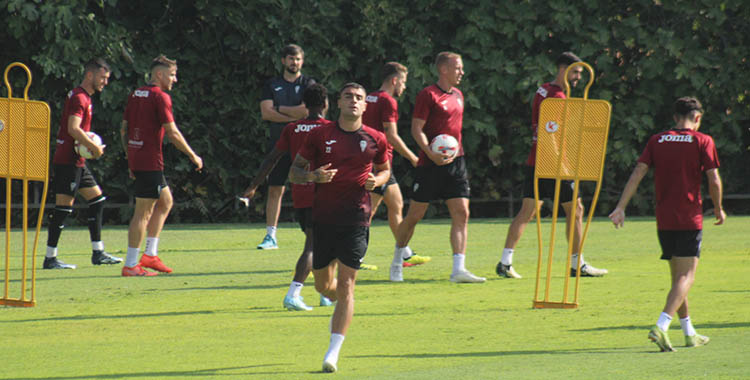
89, 193
165, 198
143, 208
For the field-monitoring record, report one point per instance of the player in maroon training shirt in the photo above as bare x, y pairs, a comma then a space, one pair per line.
439, 109
678, 157
71, 173
382, 114
552, 89
148, 117
340, 158
293, 136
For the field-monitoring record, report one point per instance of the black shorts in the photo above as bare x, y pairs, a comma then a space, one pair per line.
149, 184
381, 190
441, 182
546, 187
683, 243
346, 243
280, 172
69, 178
304, 218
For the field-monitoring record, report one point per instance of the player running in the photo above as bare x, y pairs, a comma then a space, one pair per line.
339, 158
678, 157
382, 115
71, 173
292, 137
554, 89
439, 109
148, 116
280, 104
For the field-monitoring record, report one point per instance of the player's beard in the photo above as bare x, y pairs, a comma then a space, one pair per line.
291, 70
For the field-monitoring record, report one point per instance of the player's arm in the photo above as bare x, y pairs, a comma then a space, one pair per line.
265, 168
417, 131
716, 191
295, 112
300, 172
391, 133
380, 177
271, 113
175, 136
75, 131
618, 215
124, 136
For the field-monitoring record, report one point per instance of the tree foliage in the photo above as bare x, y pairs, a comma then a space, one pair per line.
646, 53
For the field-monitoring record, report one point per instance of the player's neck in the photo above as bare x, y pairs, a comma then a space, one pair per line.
388, 89
350, 125
291, 77
88, 87
445, 85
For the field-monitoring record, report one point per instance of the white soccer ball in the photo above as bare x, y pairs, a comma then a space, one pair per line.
84, 152
446, 144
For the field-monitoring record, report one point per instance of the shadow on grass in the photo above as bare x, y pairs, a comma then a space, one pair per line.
115, 316
607, 350
710, 325
179, 374
227, 287
181, 275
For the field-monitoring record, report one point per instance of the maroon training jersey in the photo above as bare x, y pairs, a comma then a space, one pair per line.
443, 113
679, 157
344, 201
292, 138
147, 110
547, 90
78, 104
381, 108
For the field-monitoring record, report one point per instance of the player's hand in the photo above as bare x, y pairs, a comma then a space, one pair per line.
249, 192
370, 182
721, 216
440, 159
617, 217
198, 161
414, 159
97, 151
130, 174
323, 174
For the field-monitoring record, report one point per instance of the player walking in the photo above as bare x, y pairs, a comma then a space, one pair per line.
439, 109
382, 115
342, 156
71, 173
678, 157
148, 116
280, 104
292, 137
554, 89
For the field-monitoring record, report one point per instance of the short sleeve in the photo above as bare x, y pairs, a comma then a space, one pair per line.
389, 112
709, 156
647, 155
77, 106
164, 108
384, 149
422, 105
266, 92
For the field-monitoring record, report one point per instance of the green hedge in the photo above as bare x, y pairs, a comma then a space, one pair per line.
645, 53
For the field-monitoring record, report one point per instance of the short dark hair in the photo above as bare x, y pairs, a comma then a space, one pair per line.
354, 85
315, 96
443, 57
392, 69
163, 61
96, 64
686, 105
291, 49
566, 59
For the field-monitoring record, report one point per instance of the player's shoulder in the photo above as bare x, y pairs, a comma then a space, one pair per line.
373, 132
306, 80
550, 89
79, 94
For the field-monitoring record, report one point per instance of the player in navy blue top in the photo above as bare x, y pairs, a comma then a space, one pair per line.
280, 104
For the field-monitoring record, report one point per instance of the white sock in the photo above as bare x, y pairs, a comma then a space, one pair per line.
574, 261
97, 245
131, 259
271, 231
406, 252
507, 258
152, 246
51, 252
458, 262
332, 356
294, 289
687, 326
398, 255
664, 321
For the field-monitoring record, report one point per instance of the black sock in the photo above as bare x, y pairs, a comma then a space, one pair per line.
56, 224
95, 213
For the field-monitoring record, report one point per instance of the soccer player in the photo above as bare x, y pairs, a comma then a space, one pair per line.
148, 117
439, 109
280, 104
71, 173
292, 137
382, 114
678, 157
554, 89
339, 158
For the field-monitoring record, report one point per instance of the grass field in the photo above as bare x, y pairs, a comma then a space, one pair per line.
219, 315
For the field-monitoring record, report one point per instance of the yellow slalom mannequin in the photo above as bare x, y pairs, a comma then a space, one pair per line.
571, 145
24, 156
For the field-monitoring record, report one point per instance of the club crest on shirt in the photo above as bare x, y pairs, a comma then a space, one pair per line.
296, 89
362, 145
445, 104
